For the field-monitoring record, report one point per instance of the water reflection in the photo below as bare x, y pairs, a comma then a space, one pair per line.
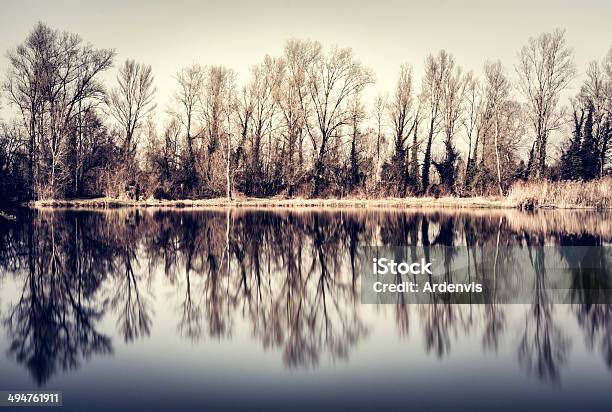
293, 276
53, 324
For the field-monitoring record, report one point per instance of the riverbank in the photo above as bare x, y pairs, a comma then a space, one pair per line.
413, 202
595, 195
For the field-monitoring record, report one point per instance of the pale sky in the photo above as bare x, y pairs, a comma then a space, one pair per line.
171, 34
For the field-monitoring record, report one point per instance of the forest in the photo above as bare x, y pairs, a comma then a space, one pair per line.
300, 126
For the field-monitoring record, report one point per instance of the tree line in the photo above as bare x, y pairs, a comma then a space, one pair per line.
299, 126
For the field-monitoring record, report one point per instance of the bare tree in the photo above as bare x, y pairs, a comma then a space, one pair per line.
400, 113
132, 100
191, 84
378, 114
51, 77
218, 102
231, 104
403, 121
356, 155
262, 88
416, 142
295, 106
545, 69
244, 116
497, 90
453, 91
437, 70
219, 106
333, 79
453, 95
473, 111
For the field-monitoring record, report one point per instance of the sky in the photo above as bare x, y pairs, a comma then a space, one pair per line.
169, 35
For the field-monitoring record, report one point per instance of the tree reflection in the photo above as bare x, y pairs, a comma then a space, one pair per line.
54, 322
596, 323
543, 347
290, 278
132, 306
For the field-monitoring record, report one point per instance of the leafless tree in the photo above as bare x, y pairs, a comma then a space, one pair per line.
473, 111
191, 84
244, 116
378, 114
334, 78
545, 69
357, 152
400, 111
263, 87
497, 90
51, 77
404, 120
295, 106
453, 91
437, 70
218, 103
416, 142
230, 109
132, 100
453, 96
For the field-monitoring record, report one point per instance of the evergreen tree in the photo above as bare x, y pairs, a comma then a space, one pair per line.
447, 169
589, 152
571, 159
521, 171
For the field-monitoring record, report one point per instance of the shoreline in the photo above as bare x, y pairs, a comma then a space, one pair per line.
409, 202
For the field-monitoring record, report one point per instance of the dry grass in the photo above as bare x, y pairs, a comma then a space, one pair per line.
532, 195
413, 202
596, 194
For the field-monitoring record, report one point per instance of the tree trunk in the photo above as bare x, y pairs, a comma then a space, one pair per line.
542, 156
499, 183
469, 156
604, 148
31, 143
414, 161
228, 173
427, 159
319, 169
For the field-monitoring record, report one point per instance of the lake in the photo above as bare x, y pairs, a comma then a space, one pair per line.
261, 309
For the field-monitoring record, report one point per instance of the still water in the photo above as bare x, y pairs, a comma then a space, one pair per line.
253, 309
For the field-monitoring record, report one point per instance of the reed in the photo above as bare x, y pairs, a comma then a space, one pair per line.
595, 194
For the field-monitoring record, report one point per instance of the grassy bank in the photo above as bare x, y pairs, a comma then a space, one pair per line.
532, 195
596, 194
449, 202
